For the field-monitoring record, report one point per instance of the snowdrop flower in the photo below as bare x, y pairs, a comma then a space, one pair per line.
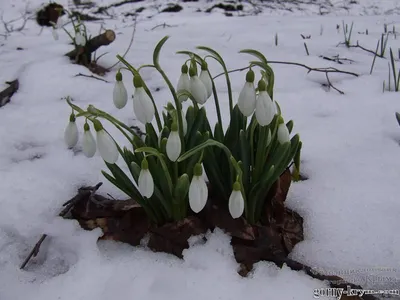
120, 95
183, 83
206, 79
71, 135
80, 39
173, 146
105, 144
247, 96
197, 88
198, 191
88, 142
142, 104
265, 108
236, 201
283, 133
145, 181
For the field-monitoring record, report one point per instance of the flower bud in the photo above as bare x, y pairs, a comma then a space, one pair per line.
88, 142
142, 105
247, 96
236, 201
198, 191
120, 95
173, 147
71, 135
145, 180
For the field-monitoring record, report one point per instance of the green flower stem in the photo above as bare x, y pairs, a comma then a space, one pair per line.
219, 59
136, 73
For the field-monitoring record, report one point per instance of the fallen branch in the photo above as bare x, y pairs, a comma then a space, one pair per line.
83, 193
336, 59
332, 86
5, 95
92, 45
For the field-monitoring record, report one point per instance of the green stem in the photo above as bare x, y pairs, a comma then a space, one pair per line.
216, 100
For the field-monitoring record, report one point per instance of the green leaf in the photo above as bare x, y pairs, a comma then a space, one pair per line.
190, 116
232, 134
289, 125
245, 158
180, 192
151, 136
157, 50
214, 53
135, 170
255, 53
201, 147
197, 126
218, 133
195, 158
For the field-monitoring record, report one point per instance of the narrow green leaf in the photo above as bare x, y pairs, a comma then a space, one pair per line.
289, 125
245, 158
180, 192
197, 126
157, 50
151, 136
255, 53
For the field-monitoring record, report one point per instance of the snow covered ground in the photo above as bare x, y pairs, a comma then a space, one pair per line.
351, 154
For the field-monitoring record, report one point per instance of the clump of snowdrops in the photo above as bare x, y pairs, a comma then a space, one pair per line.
168, 165
79, 35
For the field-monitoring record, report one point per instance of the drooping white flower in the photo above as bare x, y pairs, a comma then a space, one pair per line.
105, 144
197, 87
142, 105
236, 201
206, 79
71, 135
80, 39
198, 191
247, 96
120, 95
183, 83
145, 181
60, 23
88, 142
174, 145
265, 107
283, 133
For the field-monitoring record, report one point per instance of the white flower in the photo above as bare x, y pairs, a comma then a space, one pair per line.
247, 99
60, 23
236, 202
197, 88
80, 39
145, 181
55, 34
88, 142
183, 85
173, 146
106, 145
142, 105
120, 95
265, 108
198, 191
71, 135
206, 80
283, 133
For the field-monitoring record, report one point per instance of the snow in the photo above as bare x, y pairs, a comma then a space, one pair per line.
350, 153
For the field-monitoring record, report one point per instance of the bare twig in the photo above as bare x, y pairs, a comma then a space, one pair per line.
310, 69
130, 44
332, 86
337, 59
82, 193
91, 76
8, 25
164, 25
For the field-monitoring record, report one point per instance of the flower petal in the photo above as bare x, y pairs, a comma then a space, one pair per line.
236, 204
120, 95
71, 135
173, 146
107, 147
283, 134
206, 80
198, 194
265, 110
247, 99
146, 183
198, 90
88, 144
143, 106
183, 85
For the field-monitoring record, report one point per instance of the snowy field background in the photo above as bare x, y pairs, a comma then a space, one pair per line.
351, 155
